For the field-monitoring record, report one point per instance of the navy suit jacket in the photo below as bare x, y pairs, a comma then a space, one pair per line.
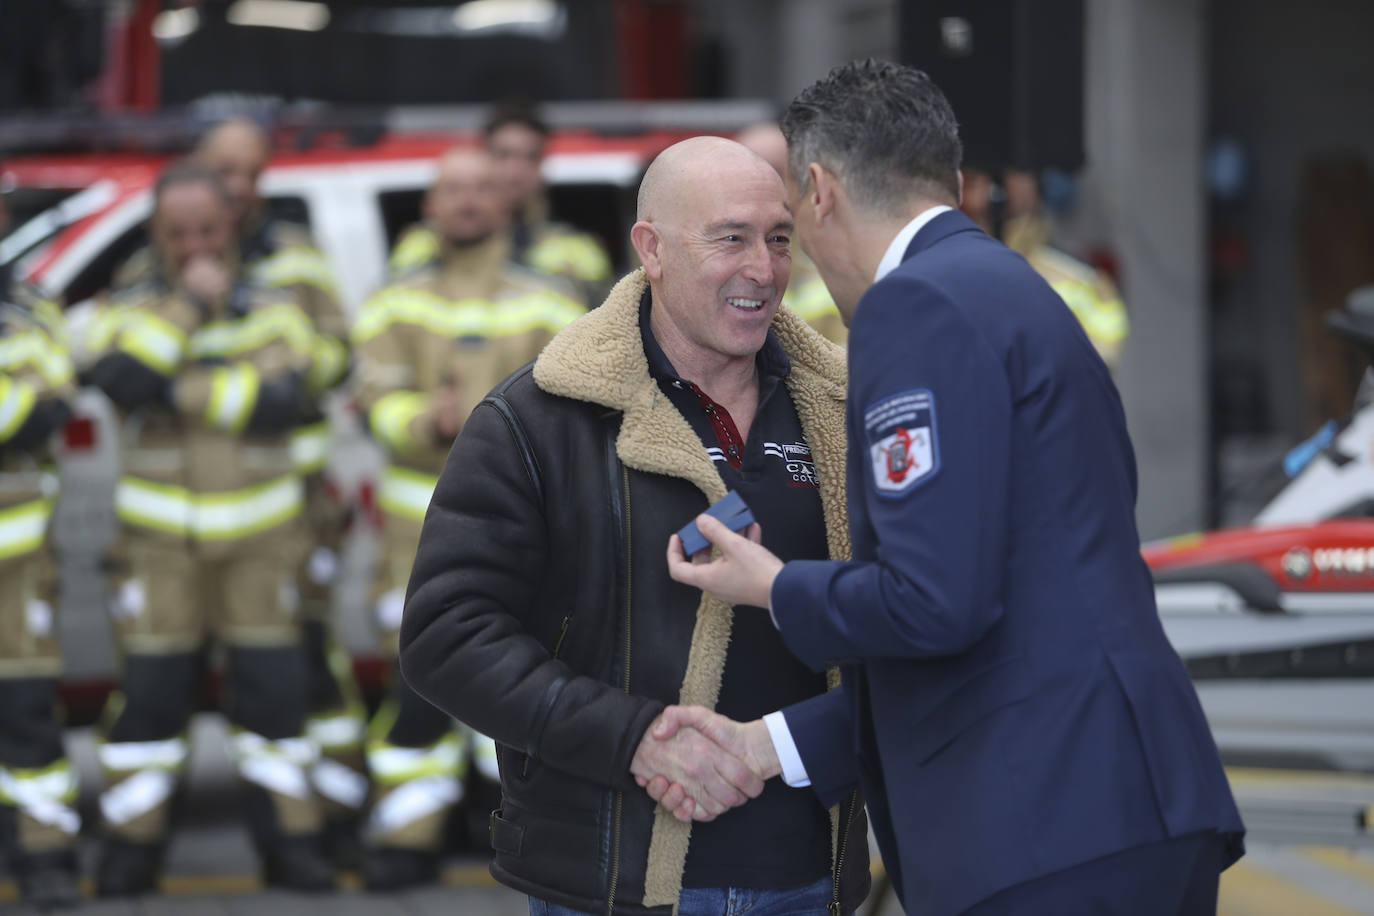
1012, 705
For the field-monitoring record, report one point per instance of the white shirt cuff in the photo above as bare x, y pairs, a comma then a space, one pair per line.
793, 770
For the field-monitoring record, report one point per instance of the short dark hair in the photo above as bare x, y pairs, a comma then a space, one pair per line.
189, 171
884, 128
515, 112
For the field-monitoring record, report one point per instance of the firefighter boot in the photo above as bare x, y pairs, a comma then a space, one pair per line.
128, 869
47, 880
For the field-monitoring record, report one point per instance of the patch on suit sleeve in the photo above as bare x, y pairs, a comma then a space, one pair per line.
902, 446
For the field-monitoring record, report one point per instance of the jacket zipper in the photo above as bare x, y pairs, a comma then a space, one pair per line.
839, 856
629, 591
557, 647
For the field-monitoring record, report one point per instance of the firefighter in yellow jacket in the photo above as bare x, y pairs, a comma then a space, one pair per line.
516, 139
429, 347
210, 376
1088, 292
807, 294
38, 786
281, 255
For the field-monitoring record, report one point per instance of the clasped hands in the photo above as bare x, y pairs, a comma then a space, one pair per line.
697, 763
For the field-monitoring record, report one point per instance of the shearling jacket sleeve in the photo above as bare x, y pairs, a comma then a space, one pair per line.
480, 592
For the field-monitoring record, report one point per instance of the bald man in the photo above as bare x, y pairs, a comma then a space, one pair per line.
428, 348
806, 293
540, 610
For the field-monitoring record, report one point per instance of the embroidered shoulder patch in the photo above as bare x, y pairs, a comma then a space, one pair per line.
902, 446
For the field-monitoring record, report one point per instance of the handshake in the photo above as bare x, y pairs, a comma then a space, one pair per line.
698, 764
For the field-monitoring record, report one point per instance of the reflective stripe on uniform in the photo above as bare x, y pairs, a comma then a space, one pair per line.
413, 801
129, 756
578, 255
391, 416
416, 248
339, 784
310, 447
152, 340
298, 264
45, 794
35, 348
405, 492
22, 527
282, 321
1104, 320
233, 394
16, 403
510, 317
279, 766
392, 765
337, 732
398, 305
463, 317
134, 797
329, 359
208, 516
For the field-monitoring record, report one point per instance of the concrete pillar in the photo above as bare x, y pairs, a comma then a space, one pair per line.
1146, 91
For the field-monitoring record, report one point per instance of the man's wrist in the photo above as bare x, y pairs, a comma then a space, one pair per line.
761, 749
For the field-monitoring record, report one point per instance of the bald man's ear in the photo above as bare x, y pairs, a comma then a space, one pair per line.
644, 237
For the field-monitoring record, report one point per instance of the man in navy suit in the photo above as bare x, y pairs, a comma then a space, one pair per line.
1025, 736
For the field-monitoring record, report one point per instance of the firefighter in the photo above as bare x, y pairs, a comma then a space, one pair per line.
807, 294
210, 376
38, 785
281, 255
516, 140
1089, 292
429, 347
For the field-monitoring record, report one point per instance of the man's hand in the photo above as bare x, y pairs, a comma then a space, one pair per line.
443, 412
750, 742
715, 779
206, 278
743, 573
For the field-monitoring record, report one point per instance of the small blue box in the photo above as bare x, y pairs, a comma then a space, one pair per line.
730, 509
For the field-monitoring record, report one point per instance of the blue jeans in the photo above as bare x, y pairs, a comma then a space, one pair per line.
811, 900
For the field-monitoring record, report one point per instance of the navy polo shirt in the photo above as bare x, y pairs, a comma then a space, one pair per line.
782, 838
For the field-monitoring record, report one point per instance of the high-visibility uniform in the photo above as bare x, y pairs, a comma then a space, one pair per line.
538, 242
207, 501
38, 786
462, 322
1088, 292
282, 256
808, 296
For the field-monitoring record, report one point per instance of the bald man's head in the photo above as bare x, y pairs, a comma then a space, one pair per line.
681, 170
464, 205
238, 150
714, 235
767, 141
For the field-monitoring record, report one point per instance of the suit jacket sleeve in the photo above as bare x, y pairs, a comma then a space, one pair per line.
465, 646
821, 728
934, 587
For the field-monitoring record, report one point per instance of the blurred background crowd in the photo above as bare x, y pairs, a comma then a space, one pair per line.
1192, 176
